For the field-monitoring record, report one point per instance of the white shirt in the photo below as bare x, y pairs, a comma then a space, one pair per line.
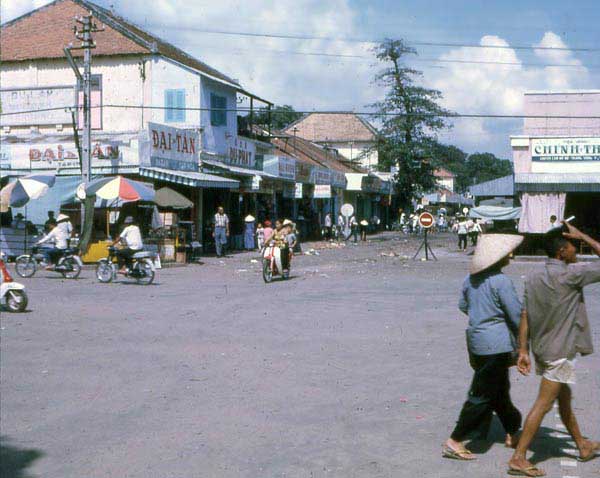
59, 236
328, 221
132, 237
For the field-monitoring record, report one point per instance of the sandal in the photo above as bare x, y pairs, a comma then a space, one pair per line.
593, 454
463, 455
529, 471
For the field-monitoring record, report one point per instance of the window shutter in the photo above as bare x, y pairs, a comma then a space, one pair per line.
168, 106
180, 104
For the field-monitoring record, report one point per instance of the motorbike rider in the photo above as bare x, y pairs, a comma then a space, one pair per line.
132, 237
279, 237
59, 234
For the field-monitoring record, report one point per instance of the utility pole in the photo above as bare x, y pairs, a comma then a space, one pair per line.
83, 30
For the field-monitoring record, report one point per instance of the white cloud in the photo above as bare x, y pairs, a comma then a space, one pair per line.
498, 89
10, 9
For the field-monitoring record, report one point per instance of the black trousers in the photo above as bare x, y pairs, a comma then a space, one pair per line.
489, 392
124, 256
462, 241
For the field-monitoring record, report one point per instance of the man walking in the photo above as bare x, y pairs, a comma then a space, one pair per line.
555, 323
221, 231
491, 302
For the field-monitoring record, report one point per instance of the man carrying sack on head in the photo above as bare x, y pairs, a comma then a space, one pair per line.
491, 302
555, 324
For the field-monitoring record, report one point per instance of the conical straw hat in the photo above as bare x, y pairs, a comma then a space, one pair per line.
492, 248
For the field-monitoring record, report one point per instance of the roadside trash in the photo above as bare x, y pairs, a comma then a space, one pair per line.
253, 261
242, 270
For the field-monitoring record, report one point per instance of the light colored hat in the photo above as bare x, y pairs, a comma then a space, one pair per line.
249, 218
492, 248
364, 222
128, 220
287, 222
62, 217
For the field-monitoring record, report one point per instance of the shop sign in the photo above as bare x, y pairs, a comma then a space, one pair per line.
565, 149
338, 179
256, 180
58, 156
281, 166
298, 191
166, 147
322, 191
303, 172
242, 153
14, 100
371, 184
321, 176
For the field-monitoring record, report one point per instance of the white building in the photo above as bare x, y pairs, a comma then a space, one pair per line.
352, 136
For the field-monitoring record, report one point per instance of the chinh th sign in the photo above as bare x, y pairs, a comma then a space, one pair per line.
565, 149
170, 148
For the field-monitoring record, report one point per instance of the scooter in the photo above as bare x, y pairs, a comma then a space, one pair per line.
141, 268
271, 265
69, 264
12, 293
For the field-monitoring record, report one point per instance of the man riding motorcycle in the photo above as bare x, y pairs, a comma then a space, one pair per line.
59, 234
279, 237
132, 237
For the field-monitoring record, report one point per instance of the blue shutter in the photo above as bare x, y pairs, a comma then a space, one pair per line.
180, 104
213, 113
168, 106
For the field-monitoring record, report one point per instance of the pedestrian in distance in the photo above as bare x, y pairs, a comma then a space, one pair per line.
354, 228
364, 225
474, 232
556, 327
328, 223
260, 236
461, 228
249, 232
51, 221
492, 304
221, 231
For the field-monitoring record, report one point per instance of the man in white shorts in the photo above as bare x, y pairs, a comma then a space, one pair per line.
554, 321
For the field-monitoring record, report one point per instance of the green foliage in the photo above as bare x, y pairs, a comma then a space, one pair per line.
281, 116
483, 167
410, 117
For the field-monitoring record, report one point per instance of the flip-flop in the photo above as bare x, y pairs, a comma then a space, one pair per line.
594, 454
525, 471
448, 452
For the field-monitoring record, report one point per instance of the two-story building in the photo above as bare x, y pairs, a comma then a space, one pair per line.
353, 137
139, 81
557, 160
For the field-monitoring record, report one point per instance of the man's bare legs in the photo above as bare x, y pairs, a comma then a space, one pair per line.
548, 393
586, 447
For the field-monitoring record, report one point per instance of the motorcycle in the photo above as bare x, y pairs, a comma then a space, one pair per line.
69, 264
271, 264
141, 268
11, 292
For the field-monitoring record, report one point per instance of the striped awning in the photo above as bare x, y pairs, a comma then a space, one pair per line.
190, 178
557, 182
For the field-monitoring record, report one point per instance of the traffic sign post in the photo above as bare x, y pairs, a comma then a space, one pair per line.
426, 221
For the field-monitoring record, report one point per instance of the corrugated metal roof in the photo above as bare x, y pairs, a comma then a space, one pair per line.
504, 186
190, 178
557, 182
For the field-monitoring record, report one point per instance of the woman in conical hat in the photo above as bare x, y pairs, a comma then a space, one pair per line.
491, 302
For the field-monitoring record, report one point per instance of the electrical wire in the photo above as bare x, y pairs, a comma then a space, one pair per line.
331, 112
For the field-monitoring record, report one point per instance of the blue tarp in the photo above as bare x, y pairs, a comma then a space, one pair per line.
495, 213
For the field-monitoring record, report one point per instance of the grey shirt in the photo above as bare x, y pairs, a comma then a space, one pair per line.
558, 322
492, 304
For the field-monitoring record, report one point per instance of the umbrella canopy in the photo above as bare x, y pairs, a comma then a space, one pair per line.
118, 187
166, 197
20, 192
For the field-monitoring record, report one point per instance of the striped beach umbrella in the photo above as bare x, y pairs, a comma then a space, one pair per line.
21, 191
118, 187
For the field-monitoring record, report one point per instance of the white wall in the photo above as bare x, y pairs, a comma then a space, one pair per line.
216, 139
368, 161
121, 84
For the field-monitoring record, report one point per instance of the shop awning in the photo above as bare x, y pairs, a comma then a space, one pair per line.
495, 213
190, 178
238, 171
557, 182
354, 181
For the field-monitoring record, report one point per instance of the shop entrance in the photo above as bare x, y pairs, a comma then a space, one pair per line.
586, 209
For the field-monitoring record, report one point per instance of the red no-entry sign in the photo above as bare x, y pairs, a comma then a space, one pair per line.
426, 220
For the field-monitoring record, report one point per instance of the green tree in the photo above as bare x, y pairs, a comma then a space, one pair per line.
281, 116
410, 116
481, 167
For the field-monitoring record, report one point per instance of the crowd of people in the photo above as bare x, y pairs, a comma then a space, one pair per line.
551, 322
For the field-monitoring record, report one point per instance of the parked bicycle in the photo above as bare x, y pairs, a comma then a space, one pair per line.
141, 267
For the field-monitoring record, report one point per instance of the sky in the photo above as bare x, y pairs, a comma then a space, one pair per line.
331, 67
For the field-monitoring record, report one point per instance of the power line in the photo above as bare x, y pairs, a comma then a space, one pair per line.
361, 40
331, 112
418, 59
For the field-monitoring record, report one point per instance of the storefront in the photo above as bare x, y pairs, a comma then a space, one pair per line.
557, 163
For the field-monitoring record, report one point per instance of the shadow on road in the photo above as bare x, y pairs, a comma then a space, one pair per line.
15, 461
